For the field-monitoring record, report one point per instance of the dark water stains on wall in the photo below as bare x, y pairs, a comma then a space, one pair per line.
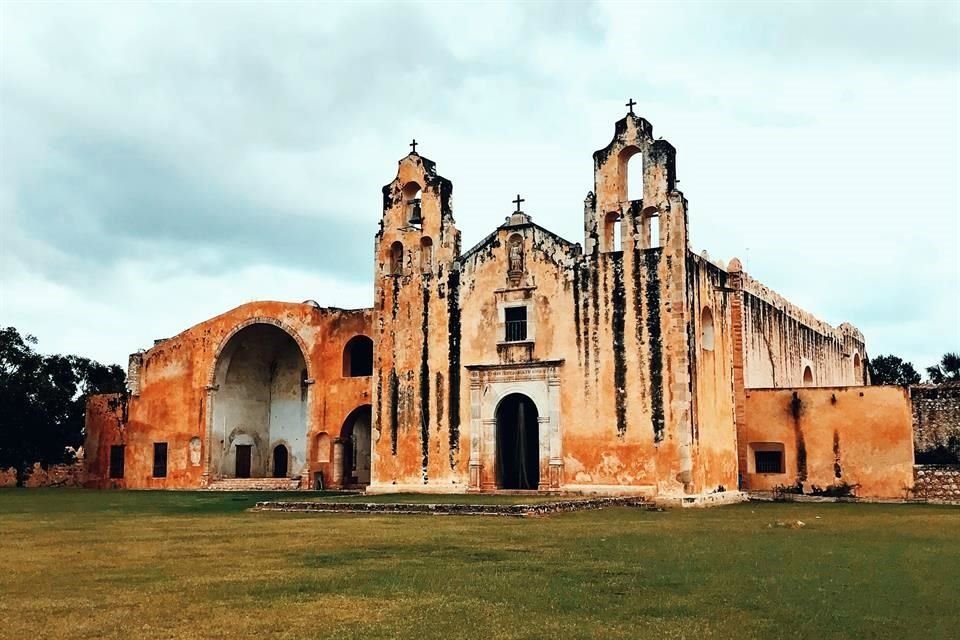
652, 263
425, 382
619, 356
453, 342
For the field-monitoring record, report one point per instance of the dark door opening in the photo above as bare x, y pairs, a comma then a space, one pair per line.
279, 461
518, 443
243, 460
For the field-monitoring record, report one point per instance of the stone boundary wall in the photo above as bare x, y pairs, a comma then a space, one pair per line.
936, 423
937, 482
515, 510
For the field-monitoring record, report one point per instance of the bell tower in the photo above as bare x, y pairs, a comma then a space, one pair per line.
416, 254
634, 182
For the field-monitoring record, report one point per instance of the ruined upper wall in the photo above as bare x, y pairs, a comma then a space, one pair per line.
784, 345
175, 383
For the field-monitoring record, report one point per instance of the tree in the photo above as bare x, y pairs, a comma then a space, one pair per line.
947, 371
43, 401
892, 370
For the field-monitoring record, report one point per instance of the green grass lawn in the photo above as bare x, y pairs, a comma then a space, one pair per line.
83, 564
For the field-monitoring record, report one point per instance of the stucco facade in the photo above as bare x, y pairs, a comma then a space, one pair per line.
618, 364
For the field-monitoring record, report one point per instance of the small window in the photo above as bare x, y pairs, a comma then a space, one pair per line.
116, 460
358, 357
159, 459
706, 329
768, 461
426, 254
396, 258
650, 228
516, 324
807, 376
857, 372
612, 232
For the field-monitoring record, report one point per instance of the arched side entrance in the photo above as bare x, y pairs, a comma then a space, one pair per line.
258, 405
280, 460
354, 447
518, 443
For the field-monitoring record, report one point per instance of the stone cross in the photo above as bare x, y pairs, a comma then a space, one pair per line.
630, 104
518, 201
413, 144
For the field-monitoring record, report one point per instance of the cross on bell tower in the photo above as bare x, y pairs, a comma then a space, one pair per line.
630, 104
518, 201
413, 145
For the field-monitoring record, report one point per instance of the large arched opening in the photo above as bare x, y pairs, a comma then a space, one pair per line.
258, 426
355, 443
518, 443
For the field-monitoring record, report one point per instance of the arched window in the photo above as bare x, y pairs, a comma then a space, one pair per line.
807, 376
358, 357
650, 228
612, 232
412, 200
706, 329
631, 174
857, 370
396, 258
426, 254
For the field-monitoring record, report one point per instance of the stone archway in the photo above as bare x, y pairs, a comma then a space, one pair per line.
258, 401
354, 447
490, 386
517, 443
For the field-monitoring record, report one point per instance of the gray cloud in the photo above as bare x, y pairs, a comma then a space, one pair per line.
149, 147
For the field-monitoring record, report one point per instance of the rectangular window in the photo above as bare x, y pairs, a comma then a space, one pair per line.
769, 461
159, 459
116, 460
516, 324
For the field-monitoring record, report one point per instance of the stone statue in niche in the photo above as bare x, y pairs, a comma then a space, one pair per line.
516, 254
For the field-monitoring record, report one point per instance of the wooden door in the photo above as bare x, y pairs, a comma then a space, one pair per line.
243, 460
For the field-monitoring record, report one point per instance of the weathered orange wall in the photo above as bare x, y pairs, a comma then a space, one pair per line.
867, 431
714, 428
172, 402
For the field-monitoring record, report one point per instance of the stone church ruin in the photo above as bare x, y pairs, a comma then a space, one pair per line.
623, 364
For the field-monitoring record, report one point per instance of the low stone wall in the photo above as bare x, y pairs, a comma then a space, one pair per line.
937, 482
516, 510
936, 423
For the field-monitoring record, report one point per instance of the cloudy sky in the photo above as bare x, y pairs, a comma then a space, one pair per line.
162, 163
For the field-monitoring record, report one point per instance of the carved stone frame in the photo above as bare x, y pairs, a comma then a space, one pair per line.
489, 384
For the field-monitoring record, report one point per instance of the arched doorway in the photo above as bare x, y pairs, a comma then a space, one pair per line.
518, 443
258, 405
355, 440
280, 461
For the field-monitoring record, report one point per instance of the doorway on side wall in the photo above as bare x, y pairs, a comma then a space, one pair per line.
280, 458
518, 443
243, 460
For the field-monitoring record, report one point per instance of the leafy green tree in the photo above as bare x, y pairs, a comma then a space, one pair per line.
892, 370
947, 371
43, 401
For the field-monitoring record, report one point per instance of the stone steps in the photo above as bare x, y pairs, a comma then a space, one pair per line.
255, 484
